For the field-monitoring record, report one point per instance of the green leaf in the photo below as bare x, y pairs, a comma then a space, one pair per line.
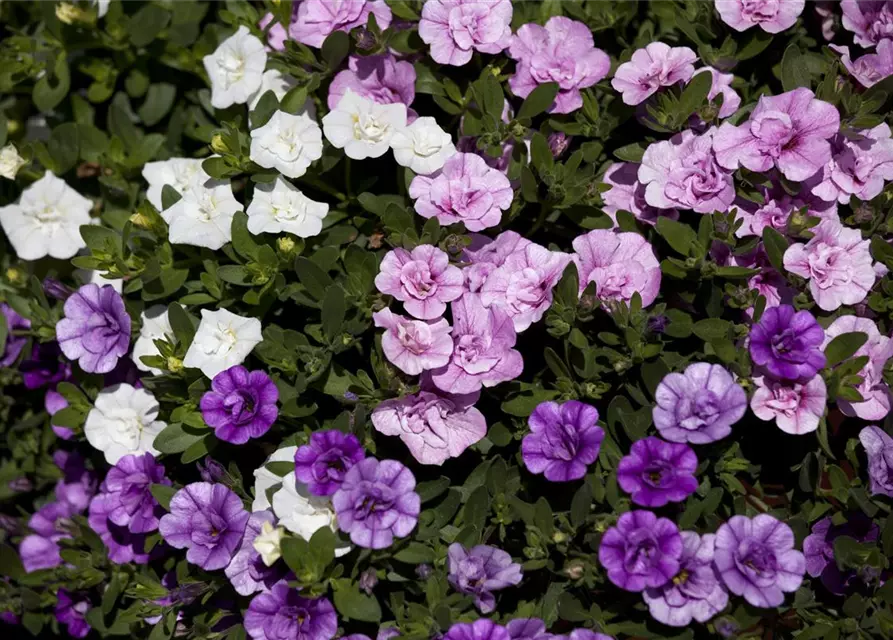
64, 147
181, 323
695, 94
147, 23
882, 251
333, 310
356, 606
432, 488
163, 493
775, 245
159, 100
101, 240
415, 553
794, 70
477, 508
539, 100
844, 346
174, 438
710, 329
678, 235
52, 88
541, 154
631, 152
243, 242
314, 279
335, 48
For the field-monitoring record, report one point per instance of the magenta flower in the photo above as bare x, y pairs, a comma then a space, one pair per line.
464, 190
620, 264
564, 52
124, 546
641, 551
382, 79
564, 440
322, 463
70, 611
316, 19
240, 405
772, 16
628, 194
246, 571
482, 353
482, 629
796, 407
870, 68
683, 173
414, 346
455, 29
787, 343
879, 449
861, 163
656, 472
722, 85
871, 21
423, 280
657, 65
755, 558
96, 328
480, 571
283, 614
128, 486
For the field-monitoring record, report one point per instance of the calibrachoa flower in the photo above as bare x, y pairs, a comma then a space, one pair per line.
480, 571
620, 265
423, 279
628, 194
14, 343
377, 502
235, 69
96, 328
422, 146
361, 127
455, 29
870, 22
208, 520
382, 79
482, 629
323, 462
657, 472
280, 84
70, 611
128, 487
240, 405
414, 346
861, 163
247, 571
870, 68
300, 511
155, 325
722, 85
796, 407
879, 448
772, 16
755, 558
123, 421
787, 343
222, 340
776, 210
288, 143
496, 250
818, 548
527, 629
657, 65
699, 405
203, 217
54, 402
564, 440
10, 162
280, 207
78, 484
283, 614
641, 551
316, 19
562, 51
695, 592
181, 174
123, 546
50, 523
45, 367
464, 190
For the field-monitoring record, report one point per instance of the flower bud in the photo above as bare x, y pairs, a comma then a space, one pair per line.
268, 543
55, 289
174, 365
69, 14
368, 580
286, 245
574, 570
10, 162
141, 220
218, 145
15, 276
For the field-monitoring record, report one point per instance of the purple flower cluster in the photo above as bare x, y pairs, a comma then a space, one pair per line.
96, 328
240, 405
480, 571
563, 440
323, 463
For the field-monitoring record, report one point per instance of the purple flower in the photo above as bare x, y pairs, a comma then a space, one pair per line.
382, 79
657, 65
14, 344
564, 440
323, 462
128, 485
246, 571
282, 614
818, 548
480, 571
722, 85
772, 16
776, 210
45, 367
564, 52
414, 346
481, 629
527, 629
50, 524
210, 470
583, 634
870, 68
755, 558
316, 19
208, 520
788, 131
861, 163
788, 343
879, 448
870, 20
695, 592
55, 289
641, 551
455, 29
699, 405
96, 328
497, 250
376, 502
620, 265
240, 405
123, 546
70, 611
423, 280
657, 472
628, 194
482, 353
54, 402
77, 485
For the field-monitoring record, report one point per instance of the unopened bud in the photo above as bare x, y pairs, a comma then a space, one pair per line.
574, 570
268, 543
174, 365
141, 220
218, 145
15, 276
69, 14
286, 245
368, 580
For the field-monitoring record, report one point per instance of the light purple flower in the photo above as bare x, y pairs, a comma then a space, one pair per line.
755, 558
50, 523
699, 405
480, 571
787, 343
628, 194
683, 173
641, 551
564, 440
879, 448
777, 208
45, 367
246, 571
78, 484
240, 405
70, 611
772, 16
377, 502
789, 131
482, 629
620, 264
316, 19
208, 520
382, 79
861, 163
322, 463
870, 68
657, 65
695, 592
583, 634
423, 280
455, 29
656, 472
722, 84
464, 190
796, 407
123, 546
562, 51
96, 328
414, 346
128, 487
482, 352
497, 250
870, 20
818, 548
283, 614
528, 629
14, 344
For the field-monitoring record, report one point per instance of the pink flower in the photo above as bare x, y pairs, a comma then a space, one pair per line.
773, 16
496, 250
657, 65
795, 407
423, 280
620, 264
870, 68
768, 283
465, 190
776, 210
316, 19
789, 131
859, 166
277, 35
628, 194
382, 79
879, 349
564, 52
837, 263
722, 84
870, 20
483, 353
683, 172
414, 345
522, 286
457, 28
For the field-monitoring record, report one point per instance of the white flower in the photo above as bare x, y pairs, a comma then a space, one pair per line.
361, 127
203, 217
122, 422
288, 143
236, 69
10, 162
268, 543
223, 340
183, 174
279, 206
102, 7
303, 513
46, 220
156, 326
264, 479
422, 146
90, 276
